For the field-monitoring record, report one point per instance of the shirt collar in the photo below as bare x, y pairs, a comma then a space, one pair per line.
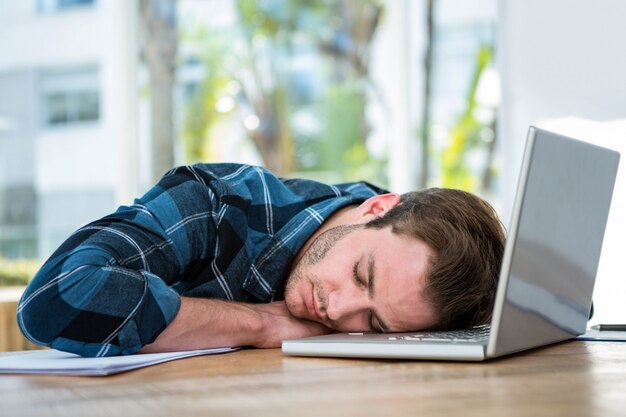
269, 270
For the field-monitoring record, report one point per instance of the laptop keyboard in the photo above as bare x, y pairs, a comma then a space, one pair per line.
476, 334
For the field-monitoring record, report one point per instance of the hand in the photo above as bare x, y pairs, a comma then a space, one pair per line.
279, 325
208, 323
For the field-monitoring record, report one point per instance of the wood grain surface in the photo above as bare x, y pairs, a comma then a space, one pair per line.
10, 336
568, 379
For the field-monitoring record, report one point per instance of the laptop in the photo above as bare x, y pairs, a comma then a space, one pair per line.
548, 270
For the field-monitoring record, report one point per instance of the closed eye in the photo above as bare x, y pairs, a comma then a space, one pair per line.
376, 325
359, 282
357, 278
371, 323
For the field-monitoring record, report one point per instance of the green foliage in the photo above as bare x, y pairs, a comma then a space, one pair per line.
201, 110
17, 272
342, 125
284, 17
465, 135
342, 144
259, 55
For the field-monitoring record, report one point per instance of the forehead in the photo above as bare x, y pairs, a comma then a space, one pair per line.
400, 266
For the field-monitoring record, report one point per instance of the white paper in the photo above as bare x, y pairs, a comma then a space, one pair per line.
51, 361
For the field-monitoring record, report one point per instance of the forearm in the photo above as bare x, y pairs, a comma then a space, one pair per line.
208, 323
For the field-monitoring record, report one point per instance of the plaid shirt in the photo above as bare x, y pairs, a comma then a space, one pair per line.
223, 231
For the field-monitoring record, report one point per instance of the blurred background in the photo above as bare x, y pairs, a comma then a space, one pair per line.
99, 98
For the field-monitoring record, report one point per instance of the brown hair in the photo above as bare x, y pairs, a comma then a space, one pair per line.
468, 243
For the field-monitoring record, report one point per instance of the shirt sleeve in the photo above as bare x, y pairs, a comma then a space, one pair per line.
108, 289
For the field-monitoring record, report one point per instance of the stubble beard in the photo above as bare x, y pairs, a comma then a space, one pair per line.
313, 255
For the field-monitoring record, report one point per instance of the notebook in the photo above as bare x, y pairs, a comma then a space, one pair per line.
548, 270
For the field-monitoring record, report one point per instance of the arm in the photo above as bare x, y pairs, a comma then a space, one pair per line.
106, 290
203, 323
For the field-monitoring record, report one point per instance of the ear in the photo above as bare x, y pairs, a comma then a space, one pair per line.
376, 206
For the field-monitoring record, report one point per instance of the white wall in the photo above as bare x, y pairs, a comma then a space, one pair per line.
30, 38
567, 59
558, 58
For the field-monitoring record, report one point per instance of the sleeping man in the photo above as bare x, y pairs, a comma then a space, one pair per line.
231, 255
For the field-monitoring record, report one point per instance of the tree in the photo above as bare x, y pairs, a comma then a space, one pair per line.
157, 21
266, 44
426, 99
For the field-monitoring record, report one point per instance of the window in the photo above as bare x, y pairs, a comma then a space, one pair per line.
70, 97
18, 219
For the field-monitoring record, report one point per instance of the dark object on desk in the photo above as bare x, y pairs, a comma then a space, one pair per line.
610, 327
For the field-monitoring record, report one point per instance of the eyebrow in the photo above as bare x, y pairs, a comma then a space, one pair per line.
370, 290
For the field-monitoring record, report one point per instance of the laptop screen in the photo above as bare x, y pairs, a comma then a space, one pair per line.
554, 243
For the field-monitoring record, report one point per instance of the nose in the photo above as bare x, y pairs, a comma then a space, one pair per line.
344, 305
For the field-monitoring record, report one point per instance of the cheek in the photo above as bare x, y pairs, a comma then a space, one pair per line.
331, 268
353, 324
294, 282
293, 294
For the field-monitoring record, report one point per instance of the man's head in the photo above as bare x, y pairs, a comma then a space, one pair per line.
428, 259
467, 239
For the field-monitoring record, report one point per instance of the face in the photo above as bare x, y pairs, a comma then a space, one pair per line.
357, 279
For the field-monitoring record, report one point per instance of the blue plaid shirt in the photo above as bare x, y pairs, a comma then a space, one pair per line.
223, 231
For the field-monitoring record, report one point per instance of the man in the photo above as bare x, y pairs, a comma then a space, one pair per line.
230, 255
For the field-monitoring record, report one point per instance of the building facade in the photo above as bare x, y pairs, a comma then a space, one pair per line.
67, 118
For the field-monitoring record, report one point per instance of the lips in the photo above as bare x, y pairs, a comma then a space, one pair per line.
312, 307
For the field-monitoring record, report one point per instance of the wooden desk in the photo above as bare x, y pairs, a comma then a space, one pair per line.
569, 379
10, 336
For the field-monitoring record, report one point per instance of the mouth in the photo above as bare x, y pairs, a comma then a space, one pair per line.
312, 306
